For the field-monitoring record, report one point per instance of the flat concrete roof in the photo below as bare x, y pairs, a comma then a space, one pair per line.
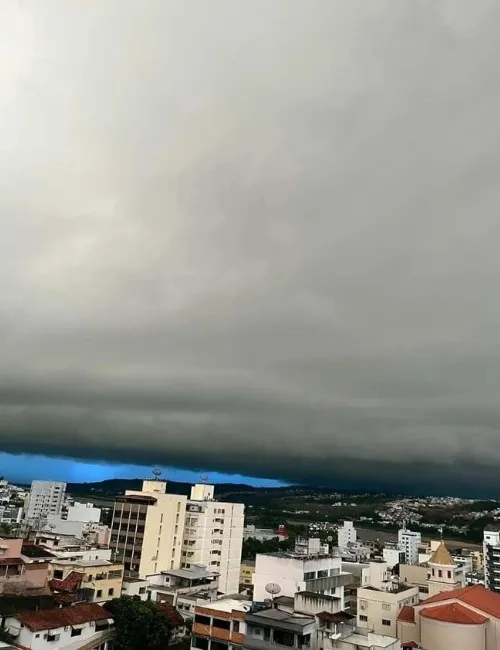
228, 605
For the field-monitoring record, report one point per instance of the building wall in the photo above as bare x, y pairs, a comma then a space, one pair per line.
213, 537
136, 588
409, 542
290, 573
378, 606
10, 548
162, 543
246, 573
46, 498
346, 534
379, 574
105, 579
84, 512
437, 635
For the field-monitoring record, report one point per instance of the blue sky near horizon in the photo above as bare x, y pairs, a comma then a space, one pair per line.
25, 468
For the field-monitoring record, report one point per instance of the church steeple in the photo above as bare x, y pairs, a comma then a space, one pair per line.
443, 574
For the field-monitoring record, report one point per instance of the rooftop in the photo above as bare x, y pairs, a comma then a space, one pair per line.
283, 617
67, 616
407, 614
228, 605
194, 573
313, 594
35, 551
454, 613
476, 596
85, 563
370, 640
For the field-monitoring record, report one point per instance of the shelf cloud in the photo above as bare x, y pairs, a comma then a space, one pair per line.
255, 237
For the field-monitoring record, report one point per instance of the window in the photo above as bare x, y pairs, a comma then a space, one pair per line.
440, 573
111, 592
322, 574
200, 643
142, 590
75, 632
311, 575
363, 618
221, 624
386, 622
433, 573
386, 606
203, 620
363, 604
449, 575
236, 626
58, 575
334, 572
99, 593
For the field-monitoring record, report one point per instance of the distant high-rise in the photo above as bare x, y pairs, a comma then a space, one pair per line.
213, 536
491, 550
45, 498
408, 542
346, 534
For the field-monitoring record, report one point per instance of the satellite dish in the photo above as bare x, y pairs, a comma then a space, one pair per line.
329, 538
272, 588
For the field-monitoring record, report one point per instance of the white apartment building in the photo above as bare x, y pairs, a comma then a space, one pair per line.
346, 534
408, 542
147, 529
295, 572
491, 554
213, 536
378, 609
45, 498
393, 555
84, 512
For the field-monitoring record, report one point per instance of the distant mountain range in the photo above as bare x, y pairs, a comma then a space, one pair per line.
113, 487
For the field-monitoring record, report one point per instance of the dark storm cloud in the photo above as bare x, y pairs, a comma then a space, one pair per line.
255, 237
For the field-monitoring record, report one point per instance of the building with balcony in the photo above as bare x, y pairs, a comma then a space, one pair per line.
378, 609
19, 572
175, 584
462, 619
339, 631
81, 627
294, 572
98, 580
409, 542
347, 535
45, 498
147, 529
213, 536
491, 555
220, 625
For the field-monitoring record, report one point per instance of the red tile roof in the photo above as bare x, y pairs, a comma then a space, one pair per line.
70, 583
173, 615
407, 614
67, 616
476, 596
454, 613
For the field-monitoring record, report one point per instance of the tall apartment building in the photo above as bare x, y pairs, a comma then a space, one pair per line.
45, 498
491, 554
408, 542
147, 529
213, 536
346, 534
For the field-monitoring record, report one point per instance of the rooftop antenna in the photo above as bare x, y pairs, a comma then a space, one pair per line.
156, 471
203, 478
273, 589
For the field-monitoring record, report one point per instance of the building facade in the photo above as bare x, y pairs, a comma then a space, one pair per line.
220, 625
378, 609
491, 555
213, 536
346, 534
147, 529
101, 579
294, 572
409, 542
45, 498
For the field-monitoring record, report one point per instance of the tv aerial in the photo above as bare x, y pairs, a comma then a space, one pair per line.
203, 478
156, 471
273, 589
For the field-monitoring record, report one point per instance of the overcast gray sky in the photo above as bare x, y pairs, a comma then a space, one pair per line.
252, 236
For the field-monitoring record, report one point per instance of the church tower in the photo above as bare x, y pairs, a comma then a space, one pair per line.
444, 574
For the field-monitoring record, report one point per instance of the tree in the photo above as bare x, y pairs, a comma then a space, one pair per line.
139, 624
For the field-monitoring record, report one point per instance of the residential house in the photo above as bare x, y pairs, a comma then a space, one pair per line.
220, 625
69, 628
378, 609
101, 580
